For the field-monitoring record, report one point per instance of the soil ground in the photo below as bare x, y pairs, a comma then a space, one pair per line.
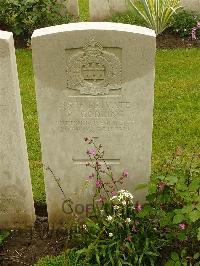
172, 41
26, 247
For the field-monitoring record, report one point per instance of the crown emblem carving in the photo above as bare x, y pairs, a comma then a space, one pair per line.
94, 70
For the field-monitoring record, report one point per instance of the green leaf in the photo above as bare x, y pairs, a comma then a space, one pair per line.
194, 215
3, 236
161, 178
111, 258
169, 263
182, 236
141, 186
152, 188
198, 234
172, 180
97, 257
178, 218
188, 209
196, 256
175, 256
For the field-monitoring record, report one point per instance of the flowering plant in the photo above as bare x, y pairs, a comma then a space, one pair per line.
194, 31
123, 231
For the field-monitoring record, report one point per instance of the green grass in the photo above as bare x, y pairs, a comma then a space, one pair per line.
176, 111
84, 10
24, 61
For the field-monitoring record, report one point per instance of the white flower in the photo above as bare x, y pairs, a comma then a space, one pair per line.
128, 220
109, 218
115, 207
125, 193
124, 202
110, 234
85, 226
113, 198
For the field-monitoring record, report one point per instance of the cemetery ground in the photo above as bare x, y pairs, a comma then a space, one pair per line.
176, 123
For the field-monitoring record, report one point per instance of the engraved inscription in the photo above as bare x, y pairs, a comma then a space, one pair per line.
94, 70
95, 114
101, 161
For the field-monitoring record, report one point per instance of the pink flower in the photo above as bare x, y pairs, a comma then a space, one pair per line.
113, 193
90, 177
98, 183
138, 206
125, 174
101, 199
129, 238
92, 152
134, 229
161, 186
182, 226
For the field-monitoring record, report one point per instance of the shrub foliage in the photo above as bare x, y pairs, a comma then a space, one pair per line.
22, 17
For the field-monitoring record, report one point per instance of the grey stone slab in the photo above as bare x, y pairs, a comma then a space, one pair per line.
16, 200
102, 9
193, 5
72, 7
93, 80
69, 6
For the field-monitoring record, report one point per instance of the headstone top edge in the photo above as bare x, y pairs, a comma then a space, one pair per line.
110, 26
5, 35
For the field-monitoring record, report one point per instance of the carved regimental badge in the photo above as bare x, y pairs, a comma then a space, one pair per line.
94, 71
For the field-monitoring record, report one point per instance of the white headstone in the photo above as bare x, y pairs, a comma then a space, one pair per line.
69, 7
102, 9
93, 80
99, 10
16, 200
72, 7
193, 5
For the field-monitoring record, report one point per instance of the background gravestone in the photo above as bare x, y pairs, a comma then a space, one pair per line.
16, 200
93, 80
193, 5
72, 7
102, 9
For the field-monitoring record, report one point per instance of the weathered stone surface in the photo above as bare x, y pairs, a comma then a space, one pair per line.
72, 7
93, 80
193, 5
16, 201
99, 10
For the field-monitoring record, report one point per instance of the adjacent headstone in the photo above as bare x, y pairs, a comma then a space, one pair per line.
72, 7
102, 9
69, 6
99, 10
16, 200
93, 80
193, 5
